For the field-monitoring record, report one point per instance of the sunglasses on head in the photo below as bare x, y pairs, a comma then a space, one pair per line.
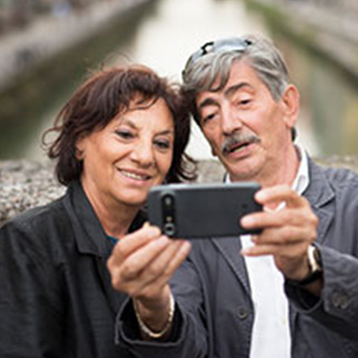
223, 45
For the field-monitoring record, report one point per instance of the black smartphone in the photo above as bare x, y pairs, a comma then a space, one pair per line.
202, 210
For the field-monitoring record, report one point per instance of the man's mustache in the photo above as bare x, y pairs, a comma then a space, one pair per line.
236, 139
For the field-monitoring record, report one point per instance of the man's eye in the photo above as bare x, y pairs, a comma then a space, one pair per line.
124, 134
208, 117
245, 102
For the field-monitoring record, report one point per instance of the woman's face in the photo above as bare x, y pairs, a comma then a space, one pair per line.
122, 161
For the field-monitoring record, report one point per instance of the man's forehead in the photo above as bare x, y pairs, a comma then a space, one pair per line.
208, 97
240, 72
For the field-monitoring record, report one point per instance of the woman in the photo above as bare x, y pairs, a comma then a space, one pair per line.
122, 132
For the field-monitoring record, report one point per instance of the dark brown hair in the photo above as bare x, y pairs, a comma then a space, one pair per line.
99, 100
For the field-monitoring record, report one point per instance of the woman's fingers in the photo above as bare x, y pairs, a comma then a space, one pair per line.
145, 259
132, 242
157, 274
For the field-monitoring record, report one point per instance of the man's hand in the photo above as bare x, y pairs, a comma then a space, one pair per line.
141, 265
286, 232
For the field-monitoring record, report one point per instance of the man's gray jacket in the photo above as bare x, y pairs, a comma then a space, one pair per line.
212, 290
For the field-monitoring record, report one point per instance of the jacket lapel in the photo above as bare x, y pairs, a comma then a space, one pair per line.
230, 249
319, 193
91, 239
114, 298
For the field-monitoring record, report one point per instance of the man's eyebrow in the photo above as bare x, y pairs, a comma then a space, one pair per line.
207, 102
228, 93
236, 87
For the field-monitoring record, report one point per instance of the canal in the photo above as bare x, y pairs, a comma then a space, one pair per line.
164, 37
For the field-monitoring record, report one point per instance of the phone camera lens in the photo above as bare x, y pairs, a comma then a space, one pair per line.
168, 205
168, 200
169, 229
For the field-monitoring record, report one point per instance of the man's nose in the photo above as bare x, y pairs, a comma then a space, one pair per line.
230, 119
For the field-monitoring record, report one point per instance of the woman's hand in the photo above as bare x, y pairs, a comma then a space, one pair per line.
141, 265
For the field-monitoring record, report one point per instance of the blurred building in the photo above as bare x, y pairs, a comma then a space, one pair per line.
348, 7
17, 14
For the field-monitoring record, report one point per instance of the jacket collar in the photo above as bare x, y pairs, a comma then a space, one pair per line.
89, 234
91, 238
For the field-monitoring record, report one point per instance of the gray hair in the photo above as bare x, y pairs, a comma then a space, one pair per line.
261, 54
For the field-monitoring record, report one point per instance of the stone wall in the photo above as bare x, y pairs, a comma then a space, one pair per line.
25, 184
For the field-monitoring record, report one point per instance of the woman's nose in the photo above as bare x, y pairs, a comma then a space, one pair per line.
143, 153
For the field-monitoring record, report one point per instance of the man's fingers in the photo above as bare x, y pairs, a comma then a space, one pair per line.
282, 236
278, 194
285, 217
283, 251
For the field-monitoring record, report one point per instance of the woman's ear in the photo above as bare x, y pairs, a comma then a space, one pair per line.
290, 102
80, 148
79, 154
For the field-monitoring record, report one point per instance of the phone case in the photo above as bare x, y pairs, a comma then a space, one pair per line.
202, 210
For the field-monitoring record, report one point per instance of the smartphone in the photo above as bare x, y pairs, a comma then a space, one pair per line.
202, 210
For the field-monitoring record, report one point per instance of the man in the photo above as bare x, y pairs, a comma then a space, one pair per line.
291, 291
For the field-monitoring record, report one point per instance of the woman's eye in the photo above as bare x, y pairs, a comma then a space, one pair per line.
124, 134
162, 144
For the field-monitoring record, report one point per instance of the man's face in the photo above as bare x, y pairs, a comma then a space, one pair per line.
247, 129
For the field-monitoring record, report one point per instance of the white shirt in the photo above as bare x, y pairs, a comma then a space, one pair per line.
271, 331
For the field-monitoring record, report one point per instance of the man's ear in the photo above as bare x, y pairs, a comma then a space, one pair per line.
290, 101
